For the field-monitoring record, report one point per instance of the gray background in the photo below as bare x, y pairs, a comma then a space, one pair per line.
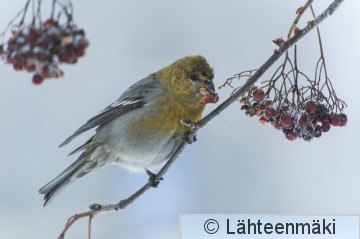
237, 165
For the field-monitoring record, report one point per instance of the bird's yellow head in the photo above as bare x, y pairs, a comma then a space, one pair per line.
190, 80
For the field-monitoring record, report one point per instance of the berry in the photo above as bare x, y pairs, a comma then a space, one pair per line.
334, 119
343, 119
310, 129
291, 136
287, 121
303, 120
270, 112
268, 103
263, 120
311, 107
258, 94
277, 124
37, 79
43, 48
325, 127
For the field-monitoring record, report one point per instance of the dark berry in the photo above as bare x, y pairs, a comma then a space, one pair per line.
334, 119
37, 79
311, 107
310, 128
325, 127
291, 136
343, 119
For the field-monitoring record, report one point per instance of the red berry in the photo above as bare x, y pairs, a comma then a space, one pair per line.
270, 112
277, 124
311, 107
17, 67
79, 52
343, 119
310, 128
334, 119
83, 43
287, 121
291, 136
258, 94
325, 127
37, 79
320, 118
263, 120
303, 120
268, 103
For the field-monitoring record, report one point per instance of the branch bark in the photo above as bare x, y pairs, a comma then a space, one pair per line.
284, 47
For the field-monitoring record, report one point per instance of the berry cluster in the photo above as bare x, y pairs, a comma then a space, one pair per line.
41, 49
306, 120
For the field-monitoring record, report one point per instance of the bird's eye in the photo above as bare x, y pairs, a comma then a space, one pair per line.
194, 78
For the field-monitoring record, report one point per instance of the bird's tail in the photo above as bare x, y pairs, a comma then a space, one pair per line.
83, 165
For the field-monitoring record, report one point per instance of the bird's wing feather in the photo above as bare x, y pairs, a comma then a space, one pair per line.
135, 97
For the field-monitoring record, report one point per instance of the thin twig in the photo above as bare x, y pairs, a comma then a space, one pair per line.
96, 208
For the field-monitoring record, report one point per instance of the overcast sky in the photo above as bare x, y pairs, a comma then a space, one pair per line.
236, 166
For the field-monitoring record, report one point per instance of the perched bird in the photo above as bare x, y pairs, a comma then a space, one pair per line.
142, 129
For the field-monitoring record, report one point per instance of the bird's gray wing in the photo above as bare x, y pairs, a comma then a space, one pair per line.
135, 97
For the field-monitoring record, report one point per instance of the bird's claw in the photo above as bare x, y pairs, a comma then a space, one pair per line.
154, 181
189, 137
95, 207
189, 123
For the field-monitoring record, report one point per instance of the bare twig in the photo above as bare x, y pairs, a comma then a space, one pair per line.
96, 208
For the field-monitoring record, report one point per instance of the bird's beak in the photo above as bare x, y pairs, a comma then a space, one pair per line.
208, 94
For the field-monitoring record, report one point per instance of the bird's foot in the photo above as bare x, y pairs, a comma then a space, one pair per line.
95, 207
154, 181
189, 137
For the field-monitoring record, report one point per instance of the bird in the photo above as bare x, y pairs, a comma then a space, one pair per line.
142, 129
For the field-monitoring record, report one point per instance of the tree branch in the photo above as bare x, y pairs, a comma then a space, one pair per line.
284, 47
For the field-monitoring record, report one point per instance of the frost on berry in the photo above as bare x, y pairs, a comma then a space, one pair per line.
41, 46
270, 112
